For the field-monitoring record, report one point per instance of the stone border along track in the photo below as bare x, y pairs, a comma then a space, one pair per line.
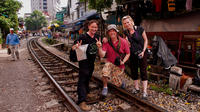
64, 75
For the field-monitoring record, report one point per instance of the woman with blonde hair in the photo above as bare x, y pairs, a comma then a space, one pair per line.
137, 38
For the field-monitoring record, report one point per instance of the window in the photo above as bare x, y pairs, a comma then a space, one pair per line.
72, 16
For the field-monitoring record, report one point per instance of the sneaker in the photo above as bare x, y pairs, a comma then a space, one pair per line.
123, 86
145, 95
105, 91
135, 91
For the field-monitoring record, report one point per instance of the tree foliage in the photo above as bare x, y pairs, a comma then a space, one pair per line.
36, 21
8, 15
100, 5
119, 1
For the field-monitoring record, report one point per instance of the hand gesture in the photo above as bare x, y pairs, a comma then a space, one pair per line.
77, 45
98, 43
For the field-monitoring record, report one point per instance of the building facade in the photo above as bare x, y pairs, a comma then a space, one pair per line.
77, 10
48, 7
72, 4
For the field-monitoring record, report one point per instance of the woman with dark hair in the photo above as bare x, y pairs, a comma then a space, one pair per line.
86, 66
137, 38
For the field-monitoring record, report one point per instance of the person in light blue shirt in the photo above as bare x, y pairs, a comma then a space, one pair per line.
12, 42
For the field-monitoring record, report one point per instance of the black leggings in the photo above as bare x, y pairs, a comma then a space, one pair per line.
142, 64
85, 73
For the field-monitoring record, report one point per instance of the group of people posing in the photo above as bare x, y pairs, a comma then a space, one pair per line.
117, 50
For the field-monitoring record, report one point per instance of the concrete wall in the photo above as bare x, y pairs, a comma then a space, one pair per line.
188, 22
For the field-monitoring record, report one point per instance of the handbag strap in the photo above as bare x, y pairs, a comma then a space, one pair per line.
118, 47
133, 39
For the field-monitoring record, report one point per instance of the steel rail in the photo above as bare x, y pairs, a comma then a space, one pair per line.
140, 102
72, 106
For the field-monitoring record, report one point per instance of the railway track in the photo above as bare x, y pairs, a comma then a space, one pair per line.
64, 75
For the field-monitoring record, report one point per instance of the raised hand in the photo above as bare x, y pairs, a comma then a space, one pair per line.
98, 43
77, 45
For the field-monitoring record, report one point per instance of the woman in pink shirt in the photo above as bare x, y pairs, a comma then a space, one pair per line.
116, 47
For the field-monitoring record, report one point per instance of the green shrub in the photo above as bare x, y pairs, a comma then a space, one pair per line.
49, 41
164, 88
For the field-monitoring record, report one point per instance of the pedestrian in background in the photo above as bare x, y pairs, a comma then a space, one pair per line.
26, 35
117, 53
86, 66
137, 38
12, 42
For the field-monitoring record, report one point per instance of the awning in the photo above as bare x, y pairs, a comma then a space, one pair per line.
63, 26
77, 24
53, 25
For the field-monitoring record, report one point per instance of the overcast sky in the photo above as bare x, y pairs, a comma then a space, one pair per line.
27, 6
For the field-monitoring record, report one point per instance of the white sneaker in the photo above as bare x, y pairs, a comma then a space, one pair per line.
135, 91
145, 95
105, 91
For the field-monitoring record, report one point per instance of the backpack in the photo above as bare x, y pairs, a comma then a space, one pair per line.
72, 56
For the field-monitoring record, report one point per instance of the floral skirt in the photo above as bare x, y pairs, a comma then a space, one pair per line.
114, 73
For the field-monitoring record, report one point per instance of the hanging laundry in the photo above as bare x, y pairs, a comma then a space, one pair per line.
188, 5
171, 5
157, 4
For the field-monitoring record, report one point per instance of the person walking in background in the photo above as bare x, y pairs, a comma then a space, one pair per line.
86, 66
117, 53
26, 35
12, 42
137, 38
